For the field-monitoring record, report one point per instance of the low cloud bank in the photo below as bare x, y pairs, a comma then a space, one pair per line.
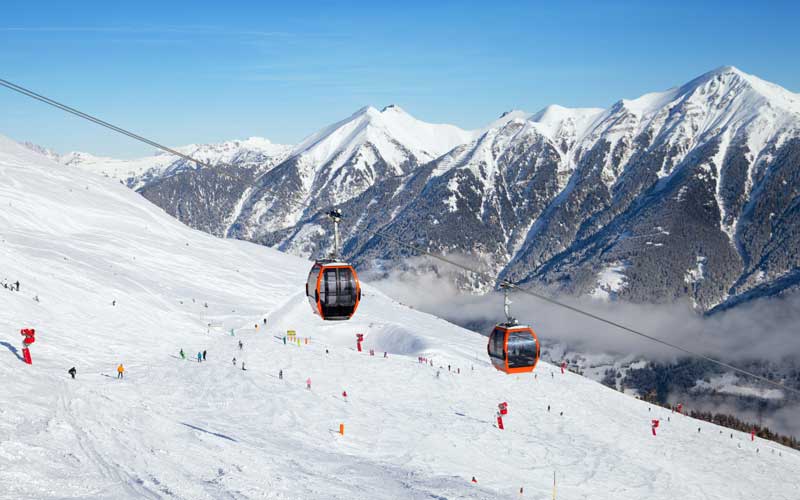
761, 330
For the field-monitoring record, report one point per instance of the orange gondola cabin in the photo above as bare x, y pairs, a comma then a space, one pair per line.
513, 348
332, 288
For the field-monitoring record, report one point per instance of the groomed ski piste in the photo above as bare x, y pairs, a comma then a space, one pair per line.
119, 281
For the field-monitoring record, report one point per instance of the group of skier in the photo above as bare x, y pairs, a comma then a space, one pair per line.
201, 355
14, 287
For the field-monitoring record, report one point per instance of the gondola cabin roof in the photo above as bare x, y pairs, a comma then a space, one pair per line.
332, 263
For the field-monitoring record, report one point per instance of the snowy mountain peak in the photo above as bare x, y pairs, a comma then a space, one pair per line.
558, 122
393, 131
717, 87
507, 117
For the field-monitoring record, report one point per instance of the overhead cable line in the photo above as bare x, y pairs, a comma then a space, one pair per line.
98, 121
380, 234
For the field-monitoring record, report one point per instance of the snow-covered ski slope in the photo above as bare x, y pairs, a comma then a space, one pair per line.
176, 428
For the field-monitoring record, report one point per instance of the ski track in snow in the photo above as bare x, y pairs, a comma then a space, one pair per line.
176, 428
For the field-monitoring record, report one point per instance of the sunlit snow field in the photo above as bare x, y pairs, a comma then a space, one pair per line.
177, 428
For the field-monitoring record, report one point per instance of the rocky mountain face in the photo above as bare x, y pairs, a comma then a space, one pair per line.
204, 197
687, 194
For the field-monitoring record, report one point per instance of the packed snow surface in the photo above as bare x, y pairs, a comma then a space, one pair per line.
118, 281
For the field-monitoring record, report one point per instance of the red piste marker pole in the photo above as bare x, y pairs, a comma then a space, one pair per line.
30, 338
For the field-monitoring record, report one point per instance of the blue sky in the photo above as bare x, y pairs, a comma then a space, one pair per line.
210, 71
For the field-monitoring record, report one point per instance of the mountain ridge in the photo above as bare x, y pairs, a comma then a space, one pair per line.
556, 198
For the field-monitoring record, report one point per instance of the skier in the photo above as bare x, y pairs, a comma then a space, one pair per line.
344, 395
385, 354
199, 356
120, 371
17, 283
204, 354
72, 371
548, 407
308, 383
284, 340
265, 321
114, 302
474, 480
241, 346
234, 361
280, 375
243, 368
183, 355
437, 373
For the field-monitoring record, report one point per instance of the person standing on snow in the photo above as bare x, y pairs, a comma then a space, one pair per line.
280, 375
72, 371
199, 356
308, 383
241, 346
204, 355
120, 371
234, 361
